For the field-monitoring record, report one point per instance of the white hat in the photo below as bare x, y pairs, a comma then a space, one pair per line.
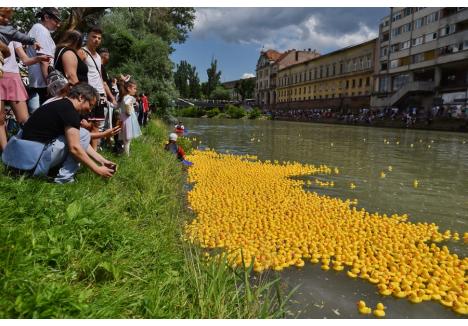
173, 136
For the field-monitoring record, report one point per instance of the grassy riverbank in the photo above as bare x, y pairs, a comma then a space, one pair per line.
114, 249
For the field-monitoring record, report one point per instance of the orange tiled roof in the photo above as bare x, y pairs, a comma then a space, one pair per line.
272, 54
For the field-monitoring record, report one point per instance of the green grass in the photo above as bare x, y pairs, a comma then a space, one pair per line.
114, 249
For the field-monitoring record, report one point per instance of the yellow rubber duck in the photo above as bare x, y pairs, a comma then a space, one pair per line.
352, 185
362, 308
382, 174
379, 310
415, 183
390, 168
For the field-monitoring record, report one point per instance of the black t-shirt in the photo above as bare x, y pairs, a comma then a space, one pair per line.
49, 121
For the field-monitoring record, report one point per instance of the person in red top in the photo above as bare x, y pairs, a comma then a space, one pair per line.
145, 104
174, 148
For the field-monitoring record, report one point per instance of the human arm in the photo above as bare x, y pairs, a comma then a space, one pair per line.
27, 61
107, 133
109, 95
4, 50
99, 158
72, 135
70, 65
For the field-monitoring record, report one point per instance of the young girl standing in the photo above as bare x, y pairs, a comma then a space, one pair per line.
128, 118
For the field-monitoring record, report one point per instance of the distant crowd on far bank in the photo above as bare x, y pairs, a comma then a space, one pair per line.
457, 115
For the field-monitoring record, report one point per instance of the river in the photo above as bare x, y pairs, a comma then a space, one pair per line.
421, 173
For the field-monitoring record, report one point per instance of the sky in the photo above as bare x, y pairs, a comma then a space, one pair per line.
235, 36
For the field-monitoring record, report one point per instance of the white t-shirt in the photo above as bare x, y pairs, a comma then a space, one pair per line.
10, 64
94, 75
42, 35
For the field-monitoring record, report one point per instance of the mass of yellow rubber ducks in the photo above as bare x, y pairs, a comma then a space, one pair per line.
258, 213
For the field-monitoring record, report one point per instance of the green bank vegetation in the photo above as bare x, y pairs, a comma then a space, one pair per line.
229, 111
115, 249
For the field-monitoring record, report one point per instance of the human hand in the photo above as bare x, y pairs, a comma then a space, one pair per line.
42, 57
113, 131
104, 171
85, 124
110, 165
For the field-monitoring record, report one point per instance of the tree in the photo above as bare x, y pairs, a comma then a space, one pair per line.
246, 88
80, 18
220, 93
139, 41
214, 77
186, 80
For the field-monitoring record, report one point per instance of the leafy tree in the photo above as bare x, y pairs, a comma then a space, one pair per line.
80, 18
214, 77
194, 83
186, 80
220, 93
139, 41
246, 88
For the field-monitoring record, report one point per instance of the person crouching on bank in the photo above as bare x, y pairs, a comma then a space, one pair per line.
52, 139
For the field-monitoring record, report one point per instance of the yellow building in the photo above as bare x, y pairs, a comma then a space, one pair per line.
342, 74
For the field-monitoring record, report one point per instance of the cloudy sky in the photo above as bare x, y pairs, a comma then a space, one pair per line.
235, 36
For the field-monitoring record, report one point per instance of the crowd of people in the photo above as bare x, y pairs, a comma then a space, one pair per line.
367, 116
71, 107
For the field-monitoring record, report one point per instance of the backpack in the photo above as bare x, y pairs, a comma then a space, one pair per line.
56, 81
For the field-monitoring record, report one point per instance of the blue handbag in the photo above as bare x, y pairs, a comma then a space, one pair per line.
22, 154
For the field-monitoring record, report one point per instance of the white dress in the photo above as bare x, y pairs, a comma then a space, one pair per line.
130, 127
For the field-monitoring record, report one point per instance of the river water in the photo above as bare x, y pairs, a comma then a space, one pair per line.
383, 164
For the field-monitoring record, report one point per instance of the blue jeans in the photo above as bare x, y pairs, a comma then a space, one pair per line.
37, 96
58, 154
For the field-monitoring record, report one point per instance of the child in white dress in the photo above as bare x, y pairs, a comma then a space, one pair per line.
128, 118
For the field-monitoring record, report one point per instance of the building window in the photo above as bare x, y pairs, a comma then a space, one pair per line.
394, 48
368, 81
407, 11
347, 84
394, 64
418, 23
417, 58
354, 83
432, 17
396, 16
430, 37
383, 51
341, 68
396, 31
447, 30
418, 41
406, 28
405, 45
360, 82
400, 81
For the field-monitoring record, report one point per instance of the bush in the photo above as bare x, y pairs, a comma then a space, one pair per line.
254, 114
234, 112
192, 112
212, 113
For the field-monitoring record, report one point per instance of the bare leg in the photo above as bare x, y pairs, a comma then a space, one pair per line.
3, 137
127, 147
21, 111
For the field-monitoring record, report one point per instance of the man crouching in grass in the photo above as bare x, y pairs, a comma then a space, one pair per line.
52, 139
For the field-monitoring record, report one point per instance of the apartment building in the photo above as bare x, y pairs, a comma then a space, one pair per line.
422, 57
342, 80
268, 65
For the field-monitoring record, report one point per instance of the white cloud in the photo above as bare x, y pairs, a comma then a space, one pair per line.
323, 29
247, 75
